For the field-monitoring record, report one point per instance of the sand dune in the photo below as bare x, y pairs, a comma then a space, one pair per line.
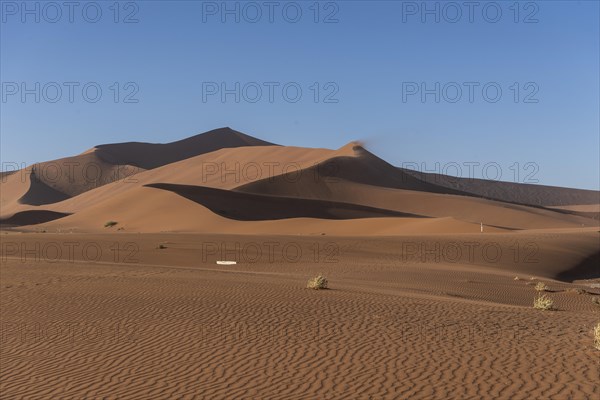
151, 155
365, 167
75, 175
46, 185
520, 193
13, 187
351, 177
255, 207
467, 208
247, 186
72, 176
39, 193
147, 209
225, 168
591, 208
584, 210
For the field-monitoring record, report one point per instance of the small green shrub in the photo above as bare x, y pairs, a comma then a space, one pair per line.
317, 283
110, 224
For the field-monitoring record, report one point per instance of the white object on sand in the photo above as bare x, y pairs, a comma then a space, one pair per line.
226, 262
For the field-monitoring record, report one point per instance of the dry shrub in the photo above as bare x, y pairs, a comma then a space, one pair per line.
543, 302
576, 290
541, 287
317, 283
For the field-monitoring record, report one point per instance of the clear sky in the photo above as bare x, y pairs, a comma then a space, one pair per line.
417, 81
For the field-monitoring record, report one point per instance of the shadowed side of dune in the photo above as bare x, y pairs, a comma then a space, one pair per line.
39, 193
256, 207
467, 208
588, 268
367, 168
154, 155
321, 179
585, 214
31, 217
79, 174
512, 192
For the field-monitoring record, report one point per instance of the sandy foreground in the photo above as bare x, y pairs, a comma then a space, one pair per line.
114, 316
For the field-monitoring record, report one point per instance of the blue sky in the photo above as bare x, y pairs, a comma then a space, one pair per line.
361, 68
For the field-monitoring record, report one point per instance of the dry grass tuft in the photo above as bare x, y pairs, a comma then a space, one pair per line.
317, 283
597, 336
541, 287
543, 302
576, 290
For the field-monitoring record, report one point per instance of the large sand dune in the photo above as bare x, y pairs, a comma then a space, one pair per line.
347, 178
52, 181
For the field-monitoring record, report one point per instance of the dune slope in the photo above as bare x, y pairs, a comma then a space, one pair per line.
255, 207
520, 193
71, 176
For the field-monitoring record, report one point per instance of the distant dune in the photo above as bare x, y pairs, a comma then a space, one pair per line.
53, 181
151, 155
521, 193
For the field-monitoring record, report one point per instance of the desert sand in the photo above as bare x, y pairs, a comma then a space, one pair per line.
421, 303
